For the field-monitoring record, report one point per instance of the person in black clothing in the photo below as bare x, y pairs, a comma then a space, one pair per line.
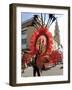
35, 67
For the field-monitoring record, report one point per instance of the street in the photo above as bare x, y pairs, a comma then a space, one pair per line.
57, 70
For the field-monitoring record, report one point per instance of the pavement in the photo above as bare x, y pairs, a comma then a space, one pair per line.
57, 70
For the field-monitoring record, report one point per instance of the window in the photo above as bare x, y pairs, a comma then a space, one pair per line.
24, 41
24, 32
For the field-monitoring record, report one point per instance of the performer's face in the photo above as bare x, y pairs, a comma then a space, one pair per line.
41, 43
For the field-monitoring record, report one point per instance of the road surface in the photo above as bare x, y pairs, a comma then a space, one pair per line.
49, 72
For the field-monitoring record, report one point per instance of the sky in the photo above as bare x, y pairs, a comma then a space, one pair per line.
27, 15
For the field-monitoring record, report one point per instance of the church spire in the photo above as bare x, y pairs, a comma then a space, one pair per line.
57, 33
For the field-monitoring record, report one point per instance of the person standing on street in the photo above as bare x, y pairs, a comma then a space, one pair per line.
35, 66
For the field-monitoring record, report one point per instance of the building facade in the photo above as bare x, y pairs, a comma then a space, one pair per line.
28, 27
